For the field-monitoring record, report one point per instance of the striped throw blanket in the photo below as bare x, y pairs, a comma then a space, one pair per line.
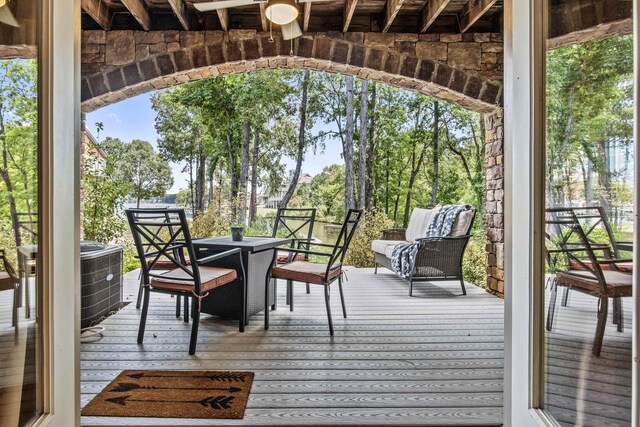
404, 255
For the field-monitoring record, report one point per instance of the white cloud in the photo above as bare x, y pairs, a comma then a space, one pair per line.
115, 118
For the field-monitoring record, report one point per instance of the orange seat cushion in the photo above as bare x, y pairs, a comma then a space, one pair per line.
6, 281
304, 271
625, 267
283, 257
178, 280
618, 284
164, 264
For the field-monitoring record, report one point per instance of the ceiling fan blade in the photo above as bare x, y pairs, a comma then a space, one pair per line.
291, 30
222, 4
6, 17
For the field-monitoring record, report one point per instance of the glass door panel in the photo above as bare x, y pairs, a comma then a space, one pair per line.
589, 220
21, 387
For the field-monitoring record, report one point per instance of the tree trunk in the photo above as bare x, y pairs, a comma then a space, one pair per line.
253, 200
386, 185
301, 142
200, 180
604, 178
244, 171
347, 149
436, 160
6, 178
362, 150
232, 171
588, 187
369, 185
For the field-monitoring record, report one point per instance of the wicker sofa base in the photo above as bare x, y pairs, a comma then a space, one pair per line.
382, 260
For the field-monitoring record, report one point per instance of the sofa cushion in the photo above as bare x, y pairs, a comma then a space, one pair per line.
380, 246
419, 223
388, 252
463, 224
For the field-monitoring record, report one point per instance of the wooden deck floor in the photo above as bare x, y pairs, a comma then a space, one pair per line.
435, 359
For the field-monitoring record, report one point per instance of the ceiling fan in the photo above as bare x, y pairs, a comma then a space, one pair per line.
280, 12
6, 16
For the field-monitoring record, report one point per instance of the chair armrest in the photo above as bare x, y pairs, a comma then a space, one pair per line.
613, 261
394, 234
303, 251
219, 255
438, 239
324, 245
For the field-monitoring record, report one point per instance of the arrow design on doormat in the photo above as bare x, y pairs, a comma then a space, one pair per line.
217, 402
125, 387
230, 377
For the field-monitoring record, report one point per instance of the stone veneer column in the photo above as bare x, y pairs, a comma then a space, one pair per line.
494, 202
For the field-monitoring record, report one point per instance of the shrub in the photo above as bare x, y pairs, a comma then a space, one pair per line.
474, 263
210, 224
370, 228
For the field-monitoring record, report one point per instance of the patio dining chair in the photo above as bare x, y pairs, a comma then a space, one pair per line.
163, 264
9, 281
169, 238
295, 224
568, 246
323, 274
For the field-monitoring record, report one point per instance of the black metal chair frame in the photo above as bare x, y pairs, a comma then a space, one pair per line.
308, 218
564, 252
335, 261
440, 257
150, 244
161, 213
16, 290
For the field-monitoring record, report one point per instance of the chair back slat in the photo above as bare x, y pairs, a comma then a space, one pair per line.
568, 244
304, 230
163, 233
347, 231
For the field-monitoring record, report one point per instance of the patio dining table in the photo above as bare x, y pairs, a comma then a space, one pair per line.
258, 255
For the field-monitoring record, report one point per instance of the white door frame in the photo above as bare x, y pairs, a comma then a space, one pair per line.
524, 124
59, 89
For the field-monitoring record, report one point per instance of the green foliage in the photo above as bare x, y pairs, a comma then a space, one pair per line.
369, 229
474, 263
210, 224
103, 196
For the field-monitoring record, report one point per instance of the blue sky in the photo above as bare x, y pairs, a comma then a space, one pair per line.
134, 118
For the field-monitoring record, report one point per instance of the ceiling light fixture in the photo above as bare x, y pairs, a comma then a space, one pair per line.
280, 12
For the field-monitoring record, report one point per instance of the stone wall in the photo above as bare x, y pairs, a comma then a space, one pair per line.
464, 69
494, 202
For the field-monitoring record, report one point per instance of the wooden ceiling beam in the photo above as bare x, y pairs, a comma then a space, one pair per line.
430, 12
181, 12
139, 11
473, 11
307, 16
392, 9
349, 10
263, 17
223, 15
98, 11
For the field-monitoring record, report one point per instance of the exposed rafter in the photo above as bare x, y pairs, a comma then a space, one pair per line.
180, 11
392, 9
473, 11
430, 12
307, 16
263, 17
349, 9
98, 11
139, 11
223, 15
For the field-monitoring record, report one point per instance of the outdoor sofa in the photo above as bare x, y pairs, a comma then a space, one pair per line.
438, 258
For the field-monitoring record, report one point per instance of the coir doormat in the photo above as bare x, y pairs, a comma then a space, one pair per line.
173, 394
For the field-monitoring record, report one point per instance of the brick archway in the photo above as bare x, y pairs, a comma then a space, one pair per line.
121, 64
